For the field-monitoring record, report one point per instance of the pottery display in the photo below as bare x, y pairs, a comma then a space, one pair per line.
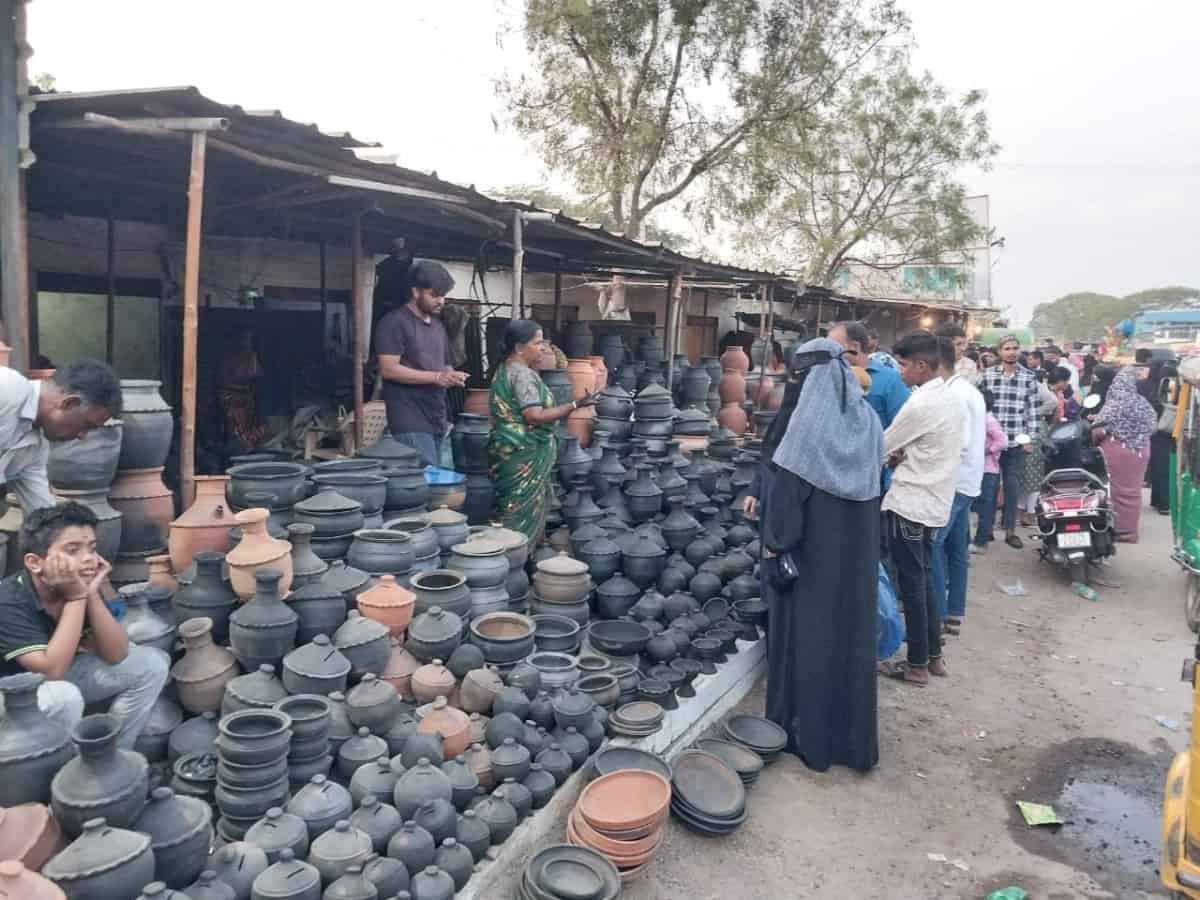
102, 781
258, 550
263, 630
147, 507
102, 863
204, 670
389, 604
364, 642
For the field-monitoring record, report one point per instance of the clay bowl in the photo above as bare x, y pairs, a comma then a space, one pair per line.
610, 847
558, 633
620, 638
615, 759
542, 873
623, 800
504, 637
603, 688
752, 610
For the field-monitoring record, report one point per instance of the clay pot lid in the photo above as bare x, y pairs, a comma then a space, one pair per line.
388, 592
652, 392
617, 585
436, 624
624, 800
601, 546
318, 659
615, 390
342, 577
580, 873
99, 849
443, 515
505, 537
561, 564
327, 502
480, 548
390, 449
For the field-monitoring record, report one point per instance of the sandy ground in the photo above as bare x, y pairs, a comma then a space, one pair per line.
1052, 698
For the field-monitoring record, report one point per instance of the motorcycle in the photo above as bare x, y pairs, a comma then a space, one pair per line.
1074, 507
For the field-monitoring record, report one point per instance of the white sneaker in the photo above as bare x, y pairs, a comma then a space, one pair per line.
977, 549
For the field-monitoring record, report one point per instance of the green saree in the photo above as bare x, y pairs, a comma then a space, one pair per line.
522, 455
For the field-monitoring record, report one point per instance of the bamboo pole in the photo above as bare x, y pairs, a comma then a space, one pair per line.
14, 287
674, 297
518, 263
191, 319
360, 331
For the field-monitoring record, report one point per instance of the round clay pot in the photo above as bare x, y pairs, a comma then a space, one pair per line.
204, 525
32, 746
146, 506
258, 550
431, 681
378, 551
330, 514
278, 831
320, 804
445, 588
147, 425
504, 637
283, 481
103, 781
413, 846
365, 642
419, 785
451, 724
321, 609
108, 527
434, 634
315, 668
207, 596
388, 603
180, 830
368, 488
104, 862
263, 631
201, 674
88, 463
373, 703
399, 670
483, 562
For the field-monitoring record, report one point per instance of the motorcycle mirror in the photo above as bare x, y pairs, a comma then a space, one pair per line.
1091, 401
1023, 440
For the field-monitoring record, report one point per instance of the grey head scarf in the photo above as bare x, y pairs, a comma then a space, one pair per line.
833, 440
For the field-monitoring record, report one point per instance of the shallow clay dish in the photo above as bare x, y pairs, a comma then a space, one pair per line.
624, 800
761, 735
739, 757
598, 863
613, 759
610, 846
707, 785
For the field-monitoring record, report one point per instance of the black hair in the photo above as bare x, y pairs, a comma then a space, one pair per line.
951, 330
1142, 355
945, 351
1105, 373
1053, 348
777, 350
989, 400
43, 526
856, 332
425, 273
95, 382
519, 331
920, 345
1038, 353
972, 355
1057, 374
872, 331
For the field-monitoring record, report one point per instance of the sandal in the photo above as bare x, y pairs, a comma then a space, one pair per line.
1015, 542
937, 667
900, 671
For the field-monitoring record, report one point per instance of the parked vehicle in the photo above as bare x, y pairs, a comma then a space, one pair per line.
1181, 391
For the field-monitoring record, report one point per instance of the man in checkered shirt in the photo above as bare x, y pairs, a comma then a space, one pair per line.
1017, 409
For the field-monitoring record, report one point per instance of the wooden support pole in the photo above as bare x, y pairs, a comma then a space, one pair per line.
770, 316
324, 303
14, 272
558, 303
191, 319
762, 319
360, 327
674, 303
518, 264
110, 311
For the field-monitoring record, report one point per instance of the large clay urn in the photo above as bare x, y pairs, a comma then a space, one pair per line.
201, 675
583, 377
148, 425
204, 526
257, 550
735, 359
580, 422
733, 386
32, 746
103, 781
146, 506
389, 603
108, 528
733, 417
478, 402
161, 573
88, 463
601, 371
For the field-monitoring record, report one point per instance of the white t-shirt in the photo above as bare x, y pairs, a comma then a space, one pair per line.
970, 469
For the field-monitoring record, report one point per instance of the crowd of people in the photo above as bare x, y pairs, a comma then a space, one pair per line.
882, 474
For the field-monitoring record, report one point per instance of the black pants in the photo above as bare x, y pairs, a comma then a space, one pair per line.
911, 546
1161, 445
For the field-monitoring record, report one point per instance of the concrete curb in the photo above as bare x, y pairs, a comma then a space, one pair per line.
715, 695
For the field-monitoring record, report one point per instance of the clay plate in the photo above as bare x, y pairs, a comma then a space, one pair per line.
578, 825
761, 735
623, 800
708, 785
613, 759
598, 862
739, 757
640, 713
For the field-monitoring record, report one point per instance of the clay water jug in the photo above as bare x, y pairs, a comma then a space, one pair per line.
208, 595
103, 781
204, 525
263, 630
201, 674
257, 550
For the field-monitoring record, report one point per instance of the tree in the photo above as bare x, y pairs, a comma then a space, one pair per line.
1085, 314
867, 178
637, 100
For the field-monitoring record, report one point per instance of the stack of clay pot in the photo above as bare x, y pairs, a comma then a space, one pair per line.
83, 470
138, 493
469, 440
402, 466
252, 768
309, 752
516, 549
734, 365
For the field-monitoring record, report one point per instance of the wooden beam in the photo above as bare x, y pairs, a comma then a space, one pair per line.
383, 187
191, 319
14, 274
324, 287
260, 159
518, 263
360, 336
164, 123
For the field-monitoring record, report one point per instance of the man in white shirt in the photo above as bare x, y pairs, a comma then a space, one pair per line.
951, 544
924, 444
80, 397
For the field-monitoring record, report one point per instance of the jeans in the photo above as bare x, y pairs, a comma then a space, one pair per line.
133, 686
1012, 462
986, 506
429, 445
911, 548
950, 559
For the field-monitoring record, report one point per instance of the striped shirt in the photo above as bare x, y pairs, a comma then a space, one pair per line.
1017, 405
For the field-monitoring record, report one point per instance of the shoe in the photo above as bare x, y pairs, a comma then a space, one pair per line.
977, 549
1015, 542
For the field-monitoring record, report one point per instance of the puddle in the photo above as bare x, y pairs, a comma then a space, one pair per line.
1109, 796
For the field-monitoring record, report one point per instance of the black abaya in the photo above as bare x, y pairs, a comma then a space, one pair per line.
1161, 445
821, 640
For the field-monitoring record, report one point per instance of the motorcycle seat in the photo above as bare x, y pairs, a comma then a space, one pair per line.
1064, 477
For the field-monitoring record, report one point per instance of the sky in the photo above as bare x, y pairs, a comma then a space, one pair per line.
1096, 187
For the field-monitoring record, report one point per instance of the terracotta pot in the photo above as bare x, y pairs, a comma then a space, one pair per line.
32, 746
399, 670
257, 550
389, 604
147, 507
29, 834
201, 675
480, 688
600, 370
160, 572
108, 530
733, 417
580, 422
204, 526
431, 681
583, 377
148, 425
103, 781
733, 386
479, 761
735, 359
478, 402
452, 724
17, 881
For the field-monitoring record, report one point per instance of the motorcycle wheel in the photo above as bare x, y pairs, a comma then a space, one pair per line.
1192, 603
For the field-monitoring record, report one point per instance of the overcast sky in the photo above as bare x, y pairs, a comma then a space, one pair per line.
1095, 104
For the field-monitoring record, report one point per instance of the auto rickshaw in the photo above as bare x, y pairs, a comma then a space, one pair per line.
1182, 394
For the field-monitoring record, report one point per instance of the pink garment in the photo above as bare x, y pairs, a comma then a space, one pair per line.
1126, 472
995, 441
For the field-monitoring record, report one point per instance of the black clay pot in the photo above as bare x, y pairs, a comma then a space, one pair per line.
434, 634
103, 781
406, 488
469, 441
283, 481
88, 463
264, 629
32, 746
481, 498
379, 551
320, 609
616, 597
368, 488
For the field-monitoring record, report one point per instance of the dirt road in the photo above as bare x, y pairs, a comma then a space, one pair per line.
1051, 698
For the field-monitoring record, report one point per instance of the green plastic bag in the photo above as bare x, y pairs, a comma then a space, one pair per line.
1009, 893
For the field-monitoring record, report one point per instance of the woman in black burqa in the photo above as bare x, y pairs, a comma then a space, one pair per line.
821, 558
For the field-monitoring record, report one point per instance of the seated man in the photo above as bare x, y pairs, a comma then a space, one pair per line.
56, 624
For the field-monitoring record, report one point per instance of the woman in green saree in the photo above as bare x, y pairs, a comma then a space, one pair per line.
523, 448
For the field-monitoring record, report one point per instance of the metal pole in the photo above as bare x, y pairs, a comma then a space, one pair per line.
518, 264
675, 290
360, 332
14, 274
191, 319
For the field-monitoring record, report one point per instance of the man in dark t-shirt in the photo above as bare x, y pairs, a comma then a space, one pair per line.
56, 624
416, 362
